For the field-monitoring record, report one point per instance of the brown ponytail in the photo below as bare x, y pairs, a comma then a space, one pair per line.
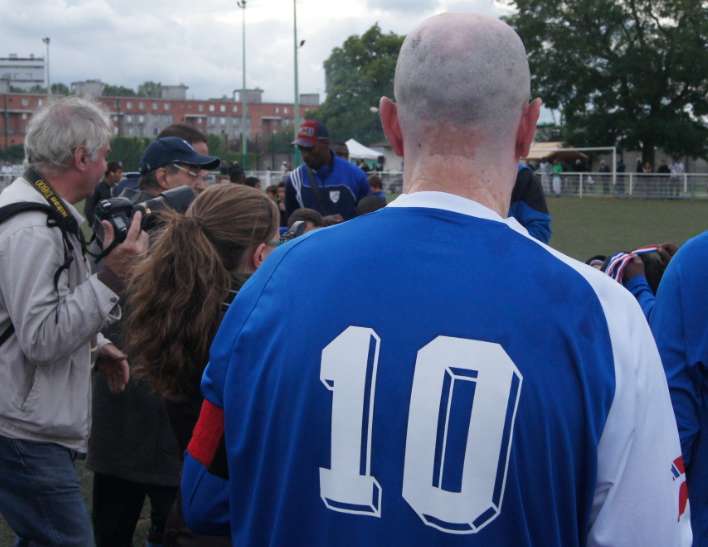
176, 292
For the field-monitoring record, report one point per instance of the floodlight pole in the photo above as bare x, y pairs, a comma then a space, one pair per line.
296, 152
46, 41
244, 104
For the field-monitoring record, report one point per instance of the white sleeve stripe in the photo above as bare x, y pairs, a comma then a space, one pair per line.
636, 497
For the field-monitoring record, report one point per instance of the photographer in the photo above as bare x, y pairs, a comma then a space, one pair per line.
170, 162
51, 311
132, 449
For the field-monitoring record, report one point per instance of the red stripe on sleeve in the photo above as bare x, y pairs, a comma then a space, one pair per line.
207, 434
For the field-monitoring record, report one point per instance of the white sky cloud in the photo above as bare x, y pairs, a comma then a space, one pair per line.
199, 43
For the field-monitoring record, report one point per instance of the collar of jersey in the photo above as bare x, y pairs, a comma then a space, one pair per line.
446, 202
455, 204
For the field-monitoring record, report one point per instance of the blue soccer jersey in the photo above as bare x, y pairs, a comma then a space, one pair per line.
462, 384
680, 325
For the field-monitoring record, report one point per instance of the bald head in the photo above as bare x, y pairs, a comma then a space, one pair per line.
462, 70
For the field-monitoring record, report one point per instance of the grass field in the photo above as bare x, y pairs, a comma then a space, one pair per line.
590, 226
581, 228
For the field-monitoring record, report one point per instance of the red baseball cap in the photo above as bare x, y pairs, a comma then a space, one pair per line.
311, 131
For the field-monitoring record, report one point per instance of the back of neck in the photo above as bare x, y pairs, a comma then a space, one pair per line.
486, 183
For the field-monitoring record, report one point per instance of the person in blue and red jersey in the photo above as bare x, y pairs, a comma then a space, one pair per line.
324, 182
680, 325
454, 402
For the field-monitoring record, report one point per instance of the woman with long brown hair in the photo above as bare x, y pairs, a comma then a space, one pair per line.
179, 291
181, 288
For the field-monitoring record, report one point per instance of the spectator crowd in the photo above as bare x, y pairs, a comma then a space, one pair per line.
229, 352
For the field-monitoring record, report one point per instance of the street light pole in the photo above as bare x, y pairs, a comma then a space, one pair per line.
244, 104
296, 46
49, 83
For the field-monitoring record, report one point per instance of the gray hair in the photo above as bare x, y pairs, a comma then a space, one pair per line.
462, 70
57, 129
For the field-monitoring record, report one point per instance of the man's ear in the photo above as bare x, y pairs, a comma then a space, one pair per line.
388, 111
81, 158
527, 128
161, 178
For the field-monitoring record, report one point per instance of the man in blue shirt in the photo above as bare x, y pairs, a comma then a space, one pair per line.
680, 325
324, 182
455, 402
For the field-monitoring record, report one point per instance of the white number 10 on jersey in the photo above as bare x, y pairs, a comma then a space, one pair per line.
462, 389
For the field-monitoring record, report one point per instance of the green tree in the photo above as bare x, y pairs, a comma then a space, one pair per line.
129, 150
150, 89
14, 153
628, 72
357, 74
117, 91
60, 89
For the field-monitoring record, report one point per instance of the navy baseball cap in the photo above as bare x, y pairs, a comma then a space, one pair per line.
168, 150
311, 131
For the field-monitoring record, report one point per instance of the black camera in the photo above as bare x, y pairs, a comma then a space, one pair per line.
296, 230
119, 211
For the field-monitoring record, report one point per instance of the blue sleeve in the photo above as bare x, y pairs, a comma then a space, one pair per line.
536, 222
669, 325
362, 184
639, 287
205, 501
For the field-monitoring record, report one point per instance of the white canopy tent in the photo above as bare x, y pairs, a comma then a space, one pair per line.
358, 151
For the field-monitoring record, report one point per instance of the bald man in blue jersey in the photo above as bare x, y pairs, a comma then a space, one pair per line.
487, 391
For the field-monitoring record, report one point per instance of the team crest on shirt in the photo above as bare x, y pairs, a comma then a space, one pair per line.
334, 195
678, 469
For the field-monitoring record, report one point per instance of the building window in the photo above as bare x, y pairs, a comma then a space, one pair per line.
200, 108
285, 110
166, 106
211, 108
155, 106
129, 119
223, 121
25, 102
235, 109
141, 105
129, 104
222, 108
141, 119
40, 102
24, 116
277, 110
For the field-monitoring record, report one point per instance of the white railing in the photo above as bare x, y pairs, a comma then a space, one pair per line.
623, 185
627, 185
8, 174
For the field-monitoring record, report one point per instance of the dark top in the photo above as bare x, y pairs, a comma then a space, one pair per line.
103, 191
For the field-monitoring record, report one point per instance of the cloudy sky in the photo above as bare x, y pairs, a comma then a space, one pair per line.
199, 42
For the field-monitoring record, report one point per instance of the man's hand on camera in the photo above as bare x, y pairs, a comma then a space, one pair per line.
113, 363
119, 261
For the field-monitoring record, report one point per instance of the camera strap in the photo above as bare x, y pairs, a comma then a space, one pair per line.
58, 216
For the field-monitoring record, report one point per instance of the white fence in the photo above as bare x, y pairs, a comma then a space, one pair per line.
622, 185
627, 185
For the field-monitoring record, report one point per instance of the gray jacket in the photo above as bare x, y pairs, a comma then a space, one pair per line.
45, 366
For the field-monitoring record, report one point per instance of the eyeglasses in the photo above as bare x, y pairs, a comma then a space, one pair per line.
189, 172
